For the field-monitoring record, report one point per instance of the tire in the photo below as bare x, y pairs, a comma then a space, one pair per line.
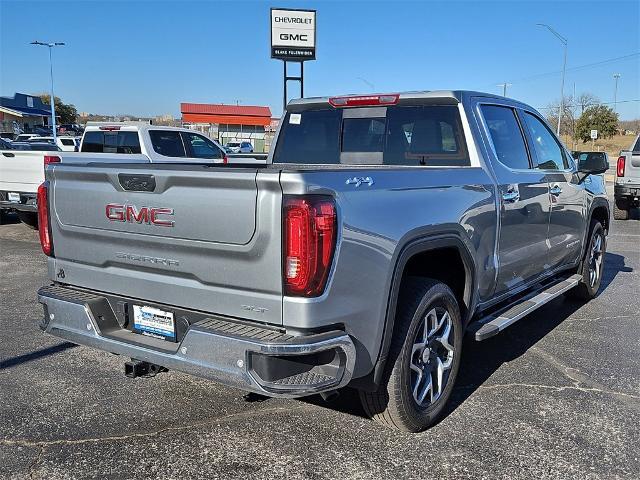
592, 264
620, 209
28, 218
396, 403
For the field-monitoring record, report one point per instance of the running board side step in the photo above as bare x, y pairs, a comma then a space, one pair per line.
494, 323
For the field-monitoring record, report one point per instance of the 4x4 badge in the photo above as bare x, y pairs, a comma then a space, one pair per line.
357, 181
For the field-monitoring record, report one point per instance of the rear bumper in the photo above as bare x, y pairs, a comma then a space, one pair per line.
27, 203
248, 357
629, 190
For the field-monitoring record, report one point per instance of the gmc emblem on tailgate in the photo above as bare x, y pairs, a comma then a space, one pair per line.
130, 213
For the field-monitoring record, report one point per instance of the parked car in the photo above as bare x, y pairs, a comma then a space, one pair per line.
71, 128
23, 137
626, 189
240, 147
382, 229
66, 144
157, 144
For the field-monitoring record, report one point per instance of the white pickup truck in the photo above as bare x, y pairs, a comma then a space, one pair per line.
22, 171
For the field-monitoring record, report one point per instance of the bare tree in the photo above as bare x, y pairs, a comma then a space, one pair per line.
568, 115
586, 100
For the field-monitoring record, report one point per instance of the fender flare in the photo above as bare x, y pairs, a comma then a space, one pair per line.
411, 248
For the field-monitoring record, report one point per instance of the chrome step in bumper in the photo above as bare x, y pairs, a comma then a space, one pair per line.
241, 355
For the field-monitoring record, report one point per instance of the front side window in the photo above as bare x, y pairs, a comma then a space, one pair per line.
506, 136
201, 147
167, 143
547, 148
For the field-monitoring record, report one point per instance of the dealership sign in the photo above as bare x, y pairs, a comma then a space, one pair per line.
293, 34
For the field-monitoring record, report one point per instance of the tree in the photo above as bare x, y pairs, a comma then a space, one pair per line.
586, 100
66, 112
598, 117
568, 117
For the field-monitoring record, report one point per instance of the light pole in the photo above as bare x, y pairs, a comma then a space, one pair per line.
615, 93
53, 102
564, 68
504, 88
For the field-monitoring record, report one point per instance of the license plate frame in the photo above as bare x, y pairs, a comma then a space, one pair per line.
154, 322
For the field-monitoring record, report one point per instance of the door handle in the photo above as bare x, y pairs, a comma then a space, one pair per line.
8, 154
511, 196
555, 190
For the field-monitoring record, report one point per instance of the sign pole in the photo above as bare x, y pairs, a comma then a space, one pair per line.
284, 102
293, 39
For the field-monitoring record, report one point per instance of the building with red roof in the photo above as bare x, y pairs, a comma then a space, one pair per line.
228, 123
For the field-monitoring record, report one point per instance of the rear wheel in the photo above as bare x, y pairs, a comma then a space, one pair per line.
593, 263
620, 209
423, 360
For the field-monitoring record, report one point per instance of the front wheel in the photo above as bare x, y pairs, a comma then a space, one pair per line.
424, 358
592, 264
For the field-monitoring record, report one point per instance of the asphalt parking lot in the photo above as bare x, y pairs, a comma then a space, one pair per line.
555, 396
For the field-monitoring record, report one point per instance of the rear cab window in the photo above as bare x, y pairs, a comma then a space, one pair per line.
111, 141
401, 135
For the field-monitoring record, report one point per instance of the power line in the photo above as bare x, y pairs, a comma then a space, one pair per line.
593, 105
577, 67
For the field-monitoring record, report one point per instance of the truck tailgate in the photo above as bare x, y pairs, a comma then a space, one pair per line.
191, 236
21, 171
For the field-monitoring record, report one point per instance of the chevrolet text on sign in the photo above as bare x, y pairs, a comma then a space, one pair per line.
293, 34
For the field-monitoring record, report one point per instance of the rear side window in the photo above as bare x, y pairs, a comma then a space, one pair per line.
397, 135
111, 142
636, 148
167, 143
201, 147
68, 142
506, 136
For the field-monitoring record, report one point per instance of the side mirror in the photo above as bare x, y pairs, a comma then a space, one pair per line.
593, 163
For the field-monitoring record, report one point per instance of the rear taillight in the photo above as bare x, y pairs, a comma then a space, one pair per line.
309, 242
364, 100
43, 219
225, 159
620, 168
51, 159
110, 128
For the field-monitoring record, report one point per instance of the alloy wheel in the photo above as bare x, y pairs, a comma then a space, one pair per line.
431, 357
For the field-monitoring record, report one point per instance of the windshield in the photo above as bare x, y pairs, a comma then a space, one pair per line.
233, 144
421, 135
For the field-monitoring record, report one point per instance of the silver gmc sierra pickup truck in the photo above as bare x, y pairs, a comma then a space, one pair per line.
382, 229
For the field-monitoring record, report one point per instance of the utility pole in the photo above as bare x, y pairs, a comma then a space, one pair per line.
53, 102
504, 88
564, 68
615, 93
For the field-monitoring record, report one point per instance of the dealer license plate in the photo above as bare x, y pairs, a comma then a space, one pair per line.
154, 322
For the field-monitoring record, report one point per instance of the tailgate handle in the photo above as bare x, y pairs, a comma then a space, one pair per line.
137, 183
8, 154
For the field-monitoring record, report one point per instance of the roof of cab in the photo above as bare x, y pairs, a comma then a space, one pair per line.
448, 96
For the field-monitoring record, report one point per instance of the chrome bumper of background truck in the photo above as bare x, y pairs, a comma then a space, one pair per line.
234, 354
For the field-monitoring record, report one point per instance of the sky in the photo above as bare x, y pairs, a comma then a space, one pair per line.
145, 57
